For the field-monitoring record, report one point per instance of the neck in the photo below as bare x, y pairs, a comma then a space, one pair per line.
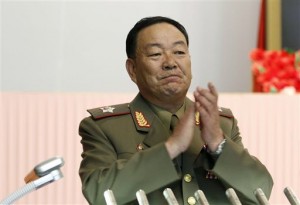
171, 104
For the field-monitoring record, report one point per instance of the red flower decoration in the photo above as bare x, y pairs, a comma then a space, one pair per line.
274, 71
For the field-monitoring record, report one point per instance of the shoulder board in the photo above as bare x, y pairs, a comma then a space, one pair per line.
225, 112
109, 111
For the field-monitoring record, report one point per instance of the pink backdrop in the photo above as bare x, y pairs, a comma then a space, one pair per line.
38, 126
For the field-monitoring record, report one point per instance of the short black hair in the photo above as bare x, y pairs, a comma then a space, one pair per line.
131, 39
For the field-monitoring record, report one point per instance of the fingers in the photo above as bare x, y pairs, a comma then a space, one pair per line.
189, 115
213, 89
206, 99
210, 94
204, 103
188, 120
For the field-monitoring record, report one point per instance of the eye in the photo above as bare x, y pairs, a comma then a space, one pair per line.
155, 54
179, 52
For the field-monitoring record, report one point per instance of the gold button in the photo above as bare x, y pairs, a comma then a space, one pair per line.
191, 200
187, 178
139, 147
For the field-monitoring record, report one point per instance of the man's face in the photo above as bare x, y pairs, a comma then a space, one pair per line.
162, 67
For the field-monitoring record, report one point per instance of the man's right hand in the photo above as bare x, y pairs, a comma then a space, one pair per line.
183, 134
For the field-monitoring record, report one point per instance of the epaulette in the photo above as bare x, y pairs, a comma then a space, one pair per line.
109, 111
225, 112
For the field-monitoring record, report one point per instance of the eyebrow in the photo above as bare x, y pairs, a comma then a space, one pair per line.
160, 45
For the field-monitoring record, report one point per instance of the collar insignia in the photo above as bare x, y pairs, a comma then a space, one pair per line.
141, 120
107, 109
197, 118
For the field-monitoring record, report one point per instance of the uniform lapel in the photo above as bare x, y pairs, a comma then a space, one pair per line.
146, 121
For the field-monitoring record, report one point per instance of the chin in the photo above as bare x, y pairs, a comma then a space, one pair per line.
175, 92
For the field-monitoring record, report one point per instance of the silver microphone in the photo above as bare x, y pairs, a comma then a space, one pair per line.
261, 197
109, 197
170, 197
42, 174
233, 198
141, 197
200, 197
291, 196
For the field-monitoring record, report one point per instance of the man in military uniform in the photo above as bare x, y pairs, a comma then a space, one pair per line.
139, 145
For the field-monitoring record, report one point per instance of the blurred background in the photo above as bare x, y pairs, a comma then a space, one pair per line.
80, 45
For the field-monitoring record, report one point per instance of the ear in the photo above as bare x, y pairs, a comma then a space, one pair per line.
131, 69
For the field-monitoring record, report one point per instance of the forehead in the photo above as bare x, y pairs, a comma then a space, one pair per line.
161, 33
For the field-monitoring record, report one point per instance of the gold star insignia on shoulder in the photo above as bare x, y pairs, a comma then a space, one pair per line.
141, 120
107, 109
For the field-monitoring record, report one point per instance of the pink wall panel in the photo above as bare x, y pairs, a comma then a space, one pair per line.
270, 126
37, 126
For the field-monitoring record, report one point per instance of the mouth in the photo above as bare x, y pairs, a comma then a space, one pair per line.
170, 76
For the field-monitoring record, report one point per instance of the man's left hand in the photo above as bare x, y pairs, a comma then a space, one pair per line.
206, 103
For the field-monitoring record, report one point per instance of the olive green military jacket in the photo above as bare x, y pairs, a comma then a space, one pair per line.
123, 150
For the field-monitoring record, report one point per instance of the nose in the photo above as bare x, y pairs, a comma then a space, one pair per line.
169, 62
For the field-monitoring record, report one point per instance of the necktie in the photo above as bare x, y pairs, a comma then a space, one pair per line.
174, 121
177, 161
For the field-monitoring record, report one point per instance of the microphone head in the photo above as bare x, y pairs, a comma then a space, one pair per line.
261, 197
291, 196
200, 197
141, 197
110, 197
170, 197
233, 198
44, 168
